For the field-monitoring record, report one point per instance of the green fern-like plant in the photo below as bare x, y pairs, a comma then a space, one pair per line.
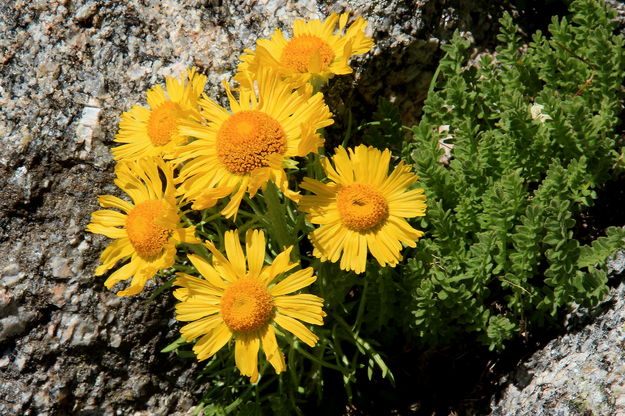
531, 130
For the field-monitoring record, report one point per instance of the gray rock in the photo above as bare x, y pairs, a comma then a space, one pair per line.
579, 373
616, 265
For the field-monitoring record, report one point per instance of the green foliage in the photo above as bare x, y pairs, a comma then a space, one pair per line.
532, 135
386, 130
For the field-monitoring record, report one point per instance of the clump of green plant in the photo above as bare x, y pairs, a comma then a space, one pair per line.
510, 150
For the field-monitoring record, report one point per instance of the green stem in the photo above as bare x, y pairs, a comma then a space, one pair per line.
276, 219
434, 79
316, 360
348, 131
366, 349
361, 306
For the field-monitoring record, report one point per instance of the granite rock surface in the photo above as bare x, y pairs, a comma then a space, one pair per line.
68, 70
579, 373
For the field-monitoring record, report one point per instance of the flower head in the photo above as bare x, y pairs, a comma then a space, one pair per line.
362, 209
316, 52
147, 230
238, 298
240, 151
154, 131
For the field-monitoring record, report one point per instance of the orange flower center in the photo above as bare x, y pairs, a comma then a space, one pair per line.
146, 235
163, 122
246, 139
299, 52
361, 207
246, 305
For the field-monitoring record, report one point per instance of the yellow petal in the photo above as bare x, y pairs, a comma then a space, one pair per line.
297, 329
114, 252
319, 188
232, 208
210, 197
207, 271
384, 248
123, 273
136, 284
109, 218
212, 342
296, 281
221, 264
246, 356
186, 235
305, 307
110, 232
109, 201
282, 263
329, 240
196, 308
354, 253
235, 252
255, 249
271, 349
200, 327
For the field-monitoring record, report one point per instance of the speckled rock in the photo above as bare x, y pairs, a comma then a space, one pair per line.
579, 373
68, 70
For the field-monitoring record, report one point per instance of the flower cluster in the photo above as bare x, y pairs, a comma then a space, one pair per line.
186, 153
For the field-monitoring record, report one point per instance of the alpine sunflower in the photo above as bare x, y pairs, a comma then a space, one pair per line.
240, 151
147, 230
235, 300
154, 131
362, 209
316, 52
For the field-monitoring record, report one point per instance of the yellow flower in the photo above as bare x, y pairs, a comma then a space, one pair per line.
147, 230
241, 301
154, 131
316, 52
242, 150
362, 208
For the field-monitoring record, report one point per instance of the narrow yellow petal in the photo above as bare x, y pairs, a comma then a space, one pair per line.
136, 284
255, 249
408, 204
246, 355
305, 307
155, 96
297, 329
198, 286
114, 252
296, 281
319, 188
123, 273
109, 218
384, 248
232, 208
354, 253
182, 294
400, 228
282, 263
207, 271
223, 267
196, 307
200, 327
271, 349
329, 240
212, 342
110, 232
234, 251
186, 235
